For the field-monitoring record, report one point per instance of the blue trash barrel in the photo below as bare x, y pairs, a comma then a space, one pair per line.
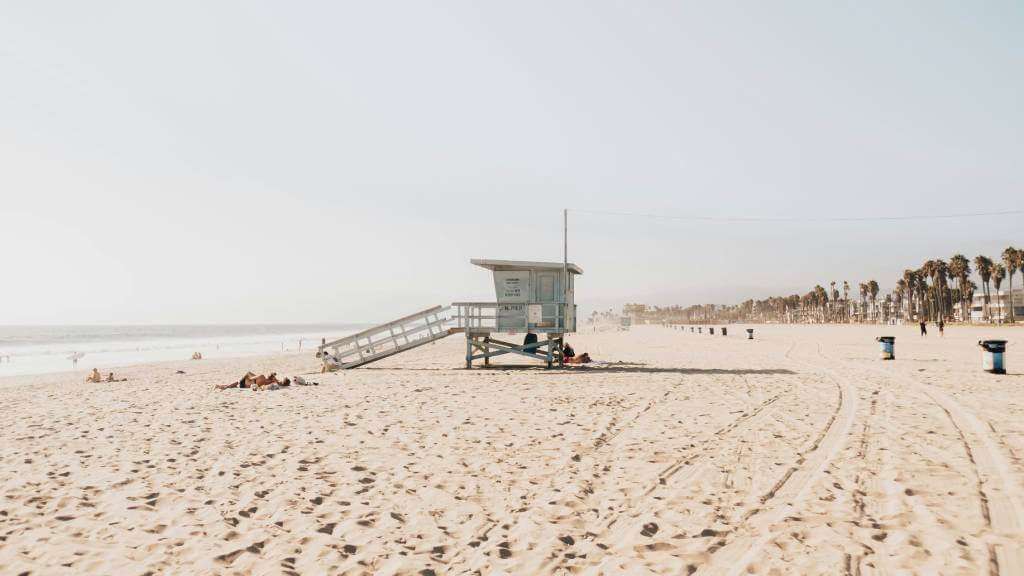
992, 356
750, 333
888, 347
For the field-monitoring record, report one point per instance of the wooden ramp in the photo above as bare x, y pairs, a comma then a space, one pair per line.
388, 339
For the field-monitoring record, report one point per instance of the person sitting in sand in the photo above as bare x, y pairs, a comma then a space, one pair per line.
95, 376
330, 363
569, 356
110, 378
567, 351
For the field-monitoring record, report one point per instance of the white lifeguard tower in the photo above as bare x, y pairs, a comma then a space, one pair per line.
531, 298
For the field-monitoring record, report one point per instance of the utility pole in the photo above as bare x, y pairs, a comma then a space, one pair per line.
565, 266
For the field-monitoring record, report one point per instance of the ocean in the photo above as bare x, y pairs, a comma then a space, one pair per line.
44, 349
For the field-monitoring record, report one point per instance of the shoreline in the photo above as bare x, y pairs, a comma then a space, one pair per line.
46, 350
15, 380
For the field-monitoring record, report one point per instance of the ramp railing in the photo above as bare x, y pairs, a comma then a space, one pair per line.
387, 339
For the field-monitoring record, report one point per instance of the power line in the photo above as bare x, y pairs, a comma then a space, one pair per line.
701, 218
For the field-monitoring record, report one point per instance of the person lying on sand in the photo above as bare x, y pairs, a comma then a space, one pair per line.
569, 356
581, 359
257, 383
95, 376
110, 378
272, 383
261, 381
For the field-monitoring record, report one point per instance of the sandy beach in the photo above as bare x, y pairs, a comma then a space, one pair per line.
797, 452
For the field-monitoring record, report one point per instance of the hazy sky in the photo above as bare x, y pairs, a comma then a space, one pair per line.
307, 161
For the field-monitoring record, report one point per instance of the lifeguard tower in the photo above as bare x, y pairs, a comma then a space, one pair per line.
531, 298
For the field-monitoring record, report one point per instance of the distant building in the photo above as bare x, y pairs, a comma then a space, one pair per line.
998, 306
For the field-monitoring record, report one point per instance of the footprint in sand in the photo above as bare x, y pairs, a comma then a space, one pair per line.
649, 529
229, 557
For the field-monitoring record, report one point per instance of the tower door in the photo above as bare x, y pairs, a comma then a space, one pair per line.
547, 287
548, 294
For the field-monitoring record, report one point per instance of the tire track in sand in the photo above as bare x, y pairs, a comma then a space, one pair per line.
609, 437
688, 458
697, 461
693, 460
792, 488
999, 499
612, 431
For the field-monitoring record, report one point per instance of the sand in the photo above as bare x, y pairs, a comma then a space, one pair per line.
797, 452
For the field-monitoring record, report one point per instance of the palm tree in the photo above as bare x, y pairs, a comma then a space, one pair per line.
873, 290
846, 299
941, 275
832, 296
863, 300
998, 273
936, 271
821, 299
928, 270
901, 291
960, 268
983, 264
1012, 261
910, 280
922, 293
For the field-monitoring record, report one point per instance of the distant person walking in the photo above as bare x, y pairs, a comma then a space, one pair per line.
942, 329
924, 328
